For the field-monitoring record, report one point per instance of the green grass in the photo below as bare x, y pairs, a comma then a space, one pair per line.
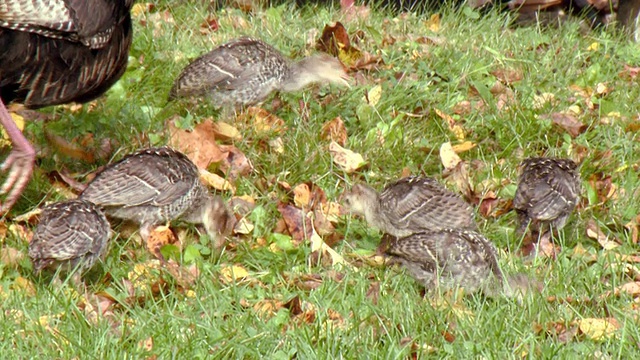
220, 320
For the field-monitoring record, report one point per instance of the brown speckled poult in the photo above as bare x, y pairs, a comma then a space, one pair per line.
410, 205
71, 235
548, 191
245, 71
155, 186
451, 258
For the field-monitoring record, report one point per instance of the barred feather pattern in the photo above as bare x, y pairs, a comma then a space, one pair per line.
71, 234
410, 205
449, 258
548, 192
155, 186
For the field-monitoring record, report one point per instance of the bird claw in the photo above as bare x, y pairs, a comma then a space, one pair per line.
20, 165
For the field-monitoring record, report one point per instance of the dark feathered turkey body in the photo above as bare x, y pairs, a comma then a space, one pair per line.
55, 51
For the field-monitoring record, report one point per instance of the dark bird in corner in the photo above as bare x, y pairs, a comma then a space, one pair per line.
55, 52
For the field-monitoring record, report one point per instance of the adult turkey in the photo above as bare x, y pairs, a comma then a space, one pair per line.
55, 52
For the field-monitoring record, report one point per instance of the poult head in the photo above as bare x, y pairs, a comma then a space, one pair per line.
316, 69
218, 220
360, 199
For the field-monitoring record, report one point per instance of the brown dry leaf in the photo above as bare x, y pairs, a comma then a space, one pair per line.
492, 206
346, 159
602, 89
302, 196
448, 156
323, 226
216, 181
159, 237
299, 226
68, 148
418, 351
335, 130
209, 25
308, 281
267, 308
367, 62
456, 129
199, 145
567, 122
335, 41
604, 186
594, 232
352, 11
235, 163
10, 257
233, 273
373, 293
508, 76
599, 329
263, 122
224, 131
630, 288
629, 72
3, 230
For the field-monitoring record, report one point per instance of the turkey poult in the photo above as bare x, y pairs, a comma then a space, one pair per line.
451, 258
155, 186
410, 205
548, 191
55, 52
71, 236
245, 71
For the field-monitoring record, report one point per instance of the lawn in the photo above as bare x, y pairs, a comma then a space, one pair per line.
497, 93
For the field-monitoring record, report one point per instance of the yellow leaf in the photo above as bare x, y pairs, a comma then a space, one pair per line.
233, 273
599, 329
346, 159
225, 131
374, 95
465, 146
24, 285
19, 121
216, 181
594, 46
140, 8
433, 23
243, 226
448, 156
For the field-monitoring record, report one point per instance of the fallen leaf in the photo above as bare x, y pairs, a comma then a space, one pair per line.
433, 24
353, 11
25, 286
464, 146
10, 257
594, 232
373, 293
216, 181
346, 159
234, 163
335, 130
299, 226
568, 122
599, 329
243, 226
263, 122
302, 196
146, 344
233, 273
456, 129
224, 131
159, 237
19, 121
448, 156
210, 24
540, 101
374, 95
199, 144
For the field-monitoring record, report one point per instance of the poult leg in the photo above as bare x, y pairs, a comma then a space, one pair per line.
20, 161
